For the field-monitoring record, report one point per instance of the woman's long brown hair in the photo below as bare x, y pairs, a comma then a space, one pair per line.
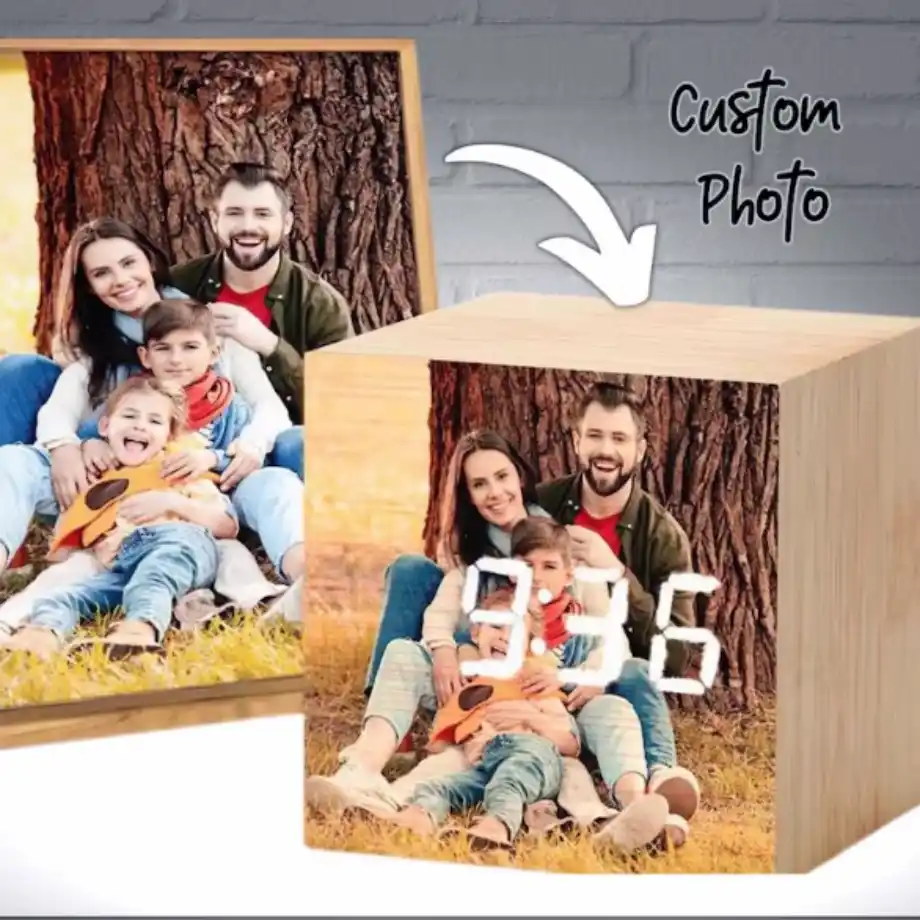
84, 325
464, 532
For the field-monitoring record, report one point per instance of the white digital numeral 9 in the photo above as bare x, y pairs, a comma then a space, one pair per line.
697, 584
615, 648
507, 667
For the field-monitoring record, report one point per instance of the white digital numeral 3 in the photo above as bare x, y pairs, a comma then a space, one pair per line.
712, 650
615, 648
507, 667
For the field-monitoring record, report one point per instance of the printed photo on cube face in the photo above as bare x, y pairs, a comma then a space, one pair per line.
171, 259
494, 557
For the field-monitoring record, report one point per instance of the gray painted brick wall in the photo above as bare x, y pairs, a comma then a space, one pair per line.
588, 81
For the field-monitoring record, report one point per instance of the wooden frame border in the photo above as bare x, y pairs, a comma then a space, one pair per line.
42, 723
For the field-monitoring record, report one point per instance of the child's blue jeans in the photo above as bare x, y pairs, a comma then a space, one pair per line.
155, 566
516, 770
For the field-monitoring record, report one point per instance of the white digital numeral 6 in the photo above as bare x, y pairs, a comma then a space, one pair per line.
712, 649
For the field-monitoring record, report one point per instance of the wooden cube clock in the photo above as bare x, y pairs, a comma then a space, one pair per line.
786, 447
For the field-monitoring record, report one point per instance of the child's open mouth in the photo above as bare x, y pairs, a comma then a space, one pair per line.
135, 446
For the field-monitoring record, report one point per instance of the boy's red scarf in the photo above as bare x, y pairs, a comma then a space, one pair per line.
207, 399
554, 614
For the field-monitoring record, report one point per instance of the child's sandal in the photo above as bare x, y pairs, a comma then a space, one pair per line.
117, 651
482, 842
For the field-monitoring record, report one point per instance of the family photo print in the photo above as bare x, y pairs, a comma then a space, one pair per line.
540, 613
185, 222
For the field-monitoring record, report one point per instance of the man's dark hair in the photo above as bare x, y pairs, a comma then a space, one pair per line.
251, 175
611, 396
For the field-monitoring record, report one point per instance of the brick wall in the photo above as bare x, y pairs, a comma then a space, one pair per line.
588, 81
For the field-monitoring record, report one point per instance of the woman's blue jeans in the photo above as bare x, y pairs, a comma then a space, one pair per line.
26, 382
410, 584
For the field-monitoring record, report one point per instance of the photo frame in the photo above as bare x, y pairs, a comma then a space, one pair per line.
142, 130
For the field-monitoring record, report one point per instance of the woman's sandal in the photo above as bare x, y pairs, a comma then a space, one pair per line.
542, 819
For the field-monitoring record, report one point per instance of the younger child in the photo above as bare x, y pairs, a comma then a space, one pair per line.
514, 732
154, 540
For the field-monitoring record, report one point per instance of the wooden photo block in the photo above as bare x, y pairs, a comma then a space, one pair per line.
773, 453
203, 213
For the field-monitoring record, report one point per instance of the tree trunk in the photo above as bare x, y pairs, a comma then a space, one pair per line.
142, 136
712, 461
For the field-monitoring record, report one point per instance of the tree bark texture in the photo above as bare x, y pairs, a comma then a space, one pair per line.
712, 461
143, 135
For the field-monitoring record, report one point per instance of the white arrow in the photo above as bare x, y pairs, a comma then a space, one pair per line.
620, 268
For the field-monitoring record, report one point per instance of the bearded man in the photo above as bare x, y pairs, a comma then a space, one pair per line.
261, 297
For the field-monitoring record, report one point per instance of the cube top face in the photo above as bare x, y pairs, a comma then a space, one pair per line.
744, 344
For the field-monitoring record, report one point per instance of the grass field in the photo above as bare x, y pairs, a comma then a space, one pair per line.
732, 757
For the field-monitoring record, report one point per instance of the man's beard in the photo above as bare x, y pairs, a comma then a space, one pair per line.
251, 262
611, 483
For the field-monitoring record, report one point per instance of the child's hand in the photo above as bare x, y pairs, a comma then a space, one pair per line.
538, 678
97, 457
187, 464
246, 459
107, 548
147, 506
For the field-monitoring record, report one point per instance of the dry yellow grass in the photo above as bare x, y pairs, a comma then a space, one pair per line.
733, 758
220, 653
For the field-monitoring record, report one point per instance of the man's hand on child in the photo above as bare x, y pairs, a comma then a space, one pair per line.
97, 457
246, 459
147, 506
592, 550
187, 464
239, 324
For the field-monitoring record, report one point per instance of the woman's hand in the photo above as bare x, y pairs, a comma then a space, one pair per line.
68, 474
246, 459
97, 457
591, 550
147, 506
581, 695
446, 673
187, 464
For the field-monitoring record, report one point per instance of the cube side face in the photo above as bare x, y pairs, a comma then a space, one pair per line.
381, 435
848, 684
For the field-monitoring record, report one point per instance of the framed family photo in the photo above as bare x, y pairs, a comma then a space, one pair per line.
582, 593
185, 221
